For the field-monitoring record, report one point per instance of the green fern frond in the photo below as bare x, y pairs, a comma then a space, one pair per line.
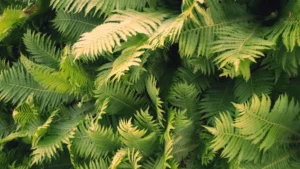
72, 25
144, 120
132, 137
186, 75
117, 27
49, 78
25, 113
42, 49
92, 140
199, 32
228, 138
126, 158
104, 7
153, 92
57, 134
275, 159
217, 99
261, 82
78, 77
237, 44
201, 64
122, 99
265, 127
9, 19
128, 58
163, 161
288, 26
183, 96
183, 136
168, 33
17, 84
97, 164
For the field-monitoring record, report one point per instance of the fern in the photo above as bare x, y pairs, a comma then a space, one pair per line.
239, 44
42, 49
132, 137
122, 100
261, 82
154, 96
269, 125
9, 19
17, 85
103, 7
199, 33
73, 25
234, 144
125, 24
288, 26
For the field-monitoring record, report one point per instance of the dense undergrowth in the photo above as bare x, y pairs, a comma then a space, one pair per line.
150, 84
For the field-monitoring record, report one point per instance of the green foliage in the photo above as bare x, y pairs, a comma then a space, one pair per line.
115, 84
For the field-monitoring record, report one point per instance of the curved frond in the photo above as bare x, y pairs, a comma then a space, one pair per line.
94, 141
265, 127
288, 26
102, 7
199, 31
58, 133
116, 28
237, 44
122, 99
261, 82
132, 137
183, 96
49, 78
42, 49
9, 19
228, 138
217, 99
153, 93
72, 25
17, 84
126, 158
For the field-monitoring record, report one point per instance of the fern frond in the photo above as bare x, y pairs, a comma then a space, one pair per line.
94, 141
9, 19
288, 26
118, 27
42, 49
72, 25
228, 138
17, 84
261, 82
186, 75
153, 92
217, 99
168, 33
122, 99
144, 120
183, 96
200, 29
275, 159
163, 161
49, 78
126, 158
80, 80
237, 44
57, 134
265, 127
128, 58
97, 164
103, 7
132, 137
183, 136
